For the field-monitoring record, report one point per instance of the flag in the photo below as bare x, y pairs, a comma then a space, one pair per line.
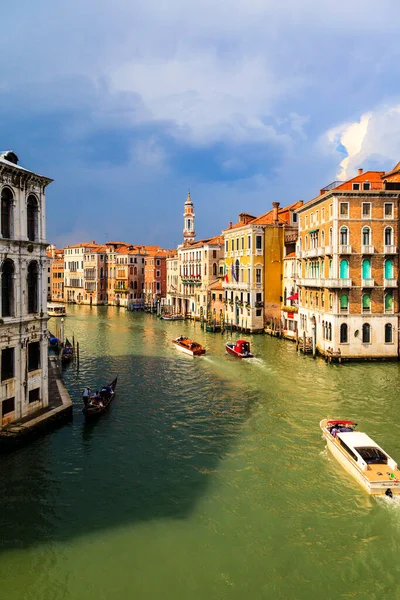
233, 272
226, 278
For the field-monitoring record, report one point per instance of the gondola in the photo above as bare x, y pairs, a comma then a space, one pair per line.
67, 352
91, 410
53, 340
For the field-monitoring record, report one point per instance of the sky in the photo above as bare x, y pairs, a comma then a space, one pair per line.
127, 105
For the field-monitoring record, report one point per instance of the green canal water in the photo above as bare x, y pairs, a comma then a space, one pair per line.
207, 479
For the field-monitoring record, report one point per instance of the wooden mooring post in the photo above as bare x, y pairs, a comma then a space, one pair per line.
77, 356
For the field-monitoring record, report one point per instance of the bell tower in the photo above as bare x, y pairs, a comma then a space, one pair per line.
189, 233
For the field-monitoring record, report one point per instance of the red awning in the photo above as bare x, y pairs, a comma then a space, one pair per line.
294, 297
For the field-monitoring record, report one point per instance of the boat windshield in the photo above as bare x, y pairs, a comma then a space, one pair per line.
372, 456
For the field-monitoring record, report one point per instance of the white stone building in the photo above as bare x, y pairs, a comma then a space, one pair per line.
23, 300
74, 271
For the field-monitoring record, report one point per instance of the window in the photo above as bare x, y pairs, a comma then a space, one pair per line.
366, 333
7, 364
158, 273
215, 269
344, 236
258, 242
388, 236
388, 333
344, 269
34, 395
249, 242
237, 266
258, 275
330, 332
366, 186
388, 210
158, 262
366, 303
8, 406
366, 236
344, 303
232, 245
330, 210
322, 238
389, 268
237, 243
322, 215
389, 302
366, 269
31, 213
6, 212
343, 333
33, 356
330, 236
366, 210
356, 186
7, 288
295, 218
33, 287
344, 210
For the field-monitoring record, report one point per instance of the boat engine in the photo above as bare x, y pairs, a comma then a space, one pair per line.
389, 493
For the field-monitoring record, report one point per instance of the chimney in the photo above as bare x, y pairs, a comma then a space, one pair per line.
275, 206
230, 224
360, 171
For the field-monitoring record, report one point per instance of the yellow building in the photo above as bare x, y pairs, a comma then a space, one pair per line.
254, 251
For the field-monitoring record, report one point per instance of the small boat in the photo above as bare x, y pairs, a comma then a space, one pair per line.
241, 349
94, 407
56, 310
53, 340
373, 468
67, 352
171, 317
188, 346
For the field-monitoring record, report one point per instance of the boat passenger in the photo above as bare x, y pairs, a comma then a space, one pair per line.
334, 431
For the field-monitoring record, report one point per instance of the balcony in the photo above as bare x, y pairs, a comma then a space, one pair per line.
390, 250
321, 251
390, 283
367, 250
344, 249
328, 249
259, 252
368, 283
312, 252
337, 283
311, 282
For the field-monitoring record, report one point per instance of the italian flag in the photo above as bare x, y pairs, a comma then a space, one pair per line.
226, 279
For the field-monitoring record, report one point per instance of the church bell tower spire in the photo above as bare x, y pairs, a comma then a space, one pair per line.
189, 233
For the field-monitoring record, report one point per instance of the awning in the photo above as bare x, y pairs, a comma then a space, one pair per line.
293, 297
314, 231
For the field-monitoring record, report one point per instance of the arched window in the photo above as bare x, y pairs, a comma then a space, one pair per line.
135, 270
135, 285
33, 287
323, 329
101, 272
131, 285
344, 236
366, 269
366, 333
32, 218
306, 242
389, 302
389, 268
284, 296
330, 268
330, 236
388, 333
343, 333
344, 269
323, 237
366, 236
237, 267
214, 268
344, 303
388, 236
131, 270
366, 303
6, 212
330, 332
7, 289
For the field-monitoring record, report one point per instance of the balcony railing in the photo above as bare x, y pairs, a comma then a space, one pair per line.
311, 282
312, 252
367, 249
328, 249
344, 249
321, 251
368, 283
390, 283
390, 250
337, 283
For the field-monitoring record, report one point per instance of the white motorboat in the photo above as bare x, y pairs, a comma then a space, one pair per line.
373, 468
56, 310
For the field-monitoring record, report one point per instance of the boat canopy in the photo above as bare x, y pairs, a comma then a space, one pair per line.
340, 422
356, 440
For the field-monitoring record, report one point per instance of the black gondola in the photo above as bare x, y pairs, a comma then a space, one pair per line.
67, 352
94, 408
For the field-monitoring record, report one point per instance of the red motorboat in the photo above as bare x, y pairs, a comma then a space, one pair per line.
241, 349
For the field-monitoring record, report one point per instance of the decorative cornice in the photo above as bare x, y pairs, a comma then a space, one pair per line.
24, 180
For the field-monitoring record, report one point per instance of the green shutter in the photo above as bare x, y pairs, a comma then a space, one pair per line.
366, 301
389, 301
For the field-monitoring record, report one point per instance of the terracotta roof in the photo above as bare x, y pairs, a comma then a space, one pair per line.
217, 285
268, 217
290, 255
395, 170
84, 245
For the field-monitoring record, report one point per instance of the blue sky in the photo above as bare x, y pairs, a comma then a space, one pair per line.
127, 105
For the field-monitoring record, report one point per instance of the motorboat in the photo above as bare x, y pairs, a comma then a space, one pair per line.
188, 346
56, 310
172, 317
241, 349
373, 468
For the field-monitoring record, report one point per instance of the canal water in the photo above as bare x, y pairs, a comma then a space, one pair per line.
207, 478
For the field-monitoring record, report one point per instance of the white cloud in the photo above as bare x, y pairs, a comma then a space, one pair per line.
374, 138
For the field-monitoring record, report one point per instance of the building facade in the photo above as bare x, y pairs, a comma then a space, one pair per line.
74, 280
348, 247
57, 275
23, 301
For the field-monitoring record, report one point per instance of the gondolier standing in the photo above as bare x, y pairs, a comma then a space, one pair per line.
86, 395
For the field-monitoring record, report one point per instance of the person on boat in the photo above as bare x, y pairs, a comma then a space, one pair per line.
86, 395
334, 431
